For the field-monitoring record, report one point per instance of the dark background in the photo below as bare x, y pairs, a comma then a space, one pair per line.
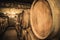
21, 1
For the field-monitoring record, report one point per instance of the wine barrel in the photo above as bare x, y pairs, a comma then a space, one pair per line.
25, 19
3, 22
10, 34
44, 18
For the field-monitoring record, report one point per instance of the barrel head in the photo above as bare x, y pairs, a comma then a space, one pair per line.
41, 19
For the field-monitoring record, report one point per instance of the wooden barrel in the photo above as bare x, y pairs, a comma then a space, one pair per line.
25, 19
44, 18
10, 34
3, 23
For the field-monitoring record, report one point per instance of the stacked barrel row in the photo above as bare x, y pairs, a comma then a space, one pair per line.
41, 21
